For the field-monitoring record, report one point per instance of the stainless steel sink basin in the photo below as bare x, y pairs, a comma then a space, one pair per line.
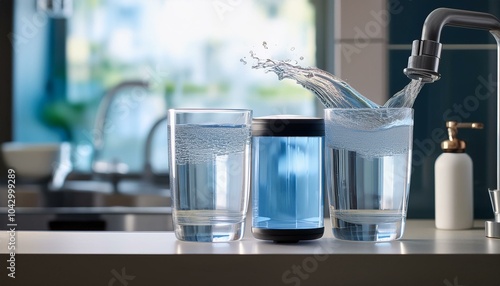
91, 194
100, 194
90, 205
91, 219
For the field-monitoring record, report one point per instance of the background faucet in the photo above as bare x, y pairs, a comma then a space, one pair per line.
148, 174
111, 169
62, 168
424, 63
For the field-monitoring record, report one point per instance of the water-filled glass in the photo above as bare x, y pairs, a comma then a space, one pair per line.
287, 178
367, 169
209, 153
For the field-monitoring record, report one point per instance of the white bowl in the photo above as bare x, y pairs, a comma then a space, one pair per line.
31, 160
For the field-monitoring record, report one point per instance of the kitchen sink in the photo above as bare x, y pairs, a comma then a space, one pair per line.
90, 205
91, 194
90, 218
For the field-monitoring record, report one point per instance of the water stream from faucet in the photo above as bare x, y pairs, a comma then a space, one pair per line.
332, 91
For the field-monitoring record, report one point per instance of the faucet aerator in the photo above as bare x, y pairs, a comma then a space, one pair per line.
424, 61
427, 76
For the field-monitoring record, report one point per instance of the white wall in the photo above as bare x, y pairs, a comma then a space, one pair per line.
361, 37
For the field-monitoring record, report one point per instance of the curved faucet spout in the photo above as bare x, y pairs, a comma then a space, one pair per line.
437, 19
104, 106
148, 168
426, 52
115, 168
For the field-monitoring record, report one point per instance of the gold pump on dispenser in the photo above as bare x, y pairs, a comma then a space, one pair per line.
453, 144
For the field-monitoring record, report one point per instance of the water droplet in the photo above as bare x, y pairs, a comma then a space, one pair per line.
301, 58
264, 44
292, 49
243, 61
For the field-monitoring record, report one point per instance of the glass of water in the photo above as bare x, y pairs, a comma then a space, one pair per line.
209, 172
368, 167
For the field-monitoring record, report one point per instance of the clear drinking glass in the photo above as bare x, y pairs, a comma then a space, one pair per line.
368, 167
209, 172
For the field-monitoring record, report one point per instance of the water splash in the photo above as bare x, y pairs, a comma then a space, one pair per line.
332, 91
405, 97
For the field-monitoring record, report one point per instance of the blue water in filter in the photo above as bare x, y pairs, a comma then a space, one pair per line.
287, 185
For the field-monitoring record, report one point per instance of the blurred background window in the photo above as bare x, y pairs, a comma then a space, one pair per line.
192, 53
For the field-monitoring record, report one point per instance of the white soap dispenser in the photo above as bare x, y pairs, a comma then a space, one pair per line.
453, 178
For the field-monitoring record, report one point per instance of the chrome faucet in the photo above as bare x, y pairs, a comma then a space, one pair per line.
62, 168
424, 63
111, 169
148, 168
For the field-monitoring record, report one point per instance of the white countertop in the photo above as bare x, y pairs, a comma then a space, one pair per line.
421, 237
425, 256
